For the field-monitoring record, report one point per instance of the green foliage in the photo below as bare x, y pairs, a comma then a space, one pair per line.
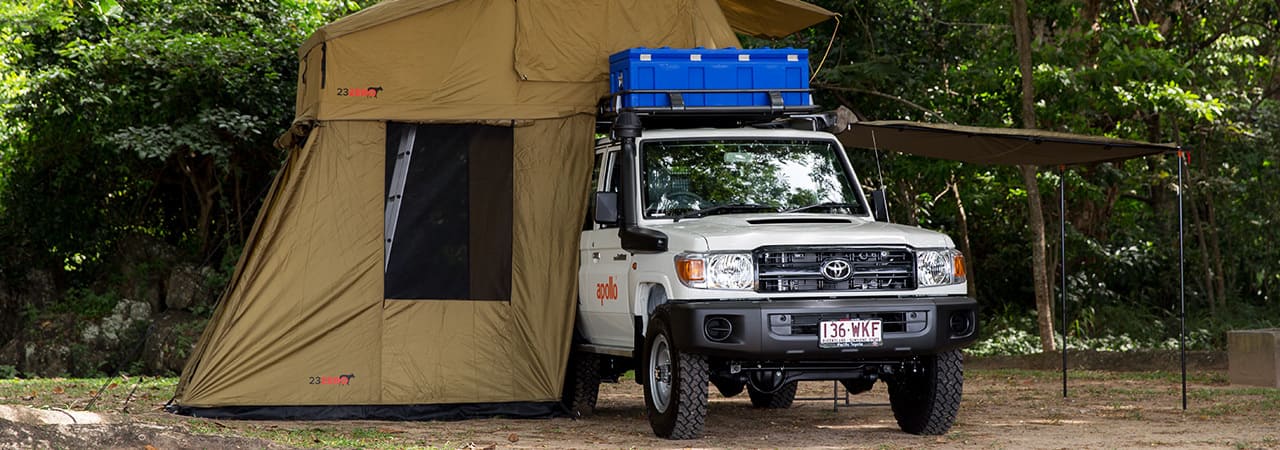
1204, 78
86, 303
151, 117
221, 276
155, 118
8, 371
1006, 341
187, 333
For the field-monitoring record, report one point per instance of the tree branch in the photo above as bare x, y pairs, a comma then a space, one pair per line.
926, 111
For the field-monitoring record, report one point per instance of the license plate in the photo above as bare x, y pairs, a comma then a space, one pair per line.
849, 333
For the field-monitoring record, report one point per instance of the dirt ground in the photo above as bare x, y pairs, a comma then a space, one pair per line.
1001, 409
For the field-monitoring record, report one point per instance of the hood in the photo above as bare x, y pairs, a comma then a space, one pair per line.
748, 231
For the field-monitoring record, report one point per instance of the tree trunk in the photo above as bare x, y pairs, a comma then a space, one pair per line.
970, 260
1039, 266
1035, 208
907, 198
206, 189
1198, 228
1215, 249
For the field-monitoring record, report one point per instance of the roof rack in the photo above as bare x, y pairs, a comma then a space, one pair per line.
696, 108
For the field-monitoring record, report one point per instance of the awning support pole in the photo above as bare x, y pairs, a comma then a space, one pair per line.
1182, 282
1062, 247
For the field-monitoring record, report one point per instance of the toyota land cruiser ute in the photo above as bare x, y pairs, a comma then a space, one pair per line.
748, 258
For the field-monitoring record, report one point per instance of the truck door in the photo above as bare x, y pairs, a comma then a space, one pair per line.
603, 286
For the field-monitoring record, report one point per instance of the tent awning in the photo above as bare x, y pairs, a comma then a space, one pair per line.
984, 145
774, 18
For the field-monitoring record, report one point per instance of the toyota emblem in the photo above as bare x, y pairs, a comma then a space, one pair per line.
836, 269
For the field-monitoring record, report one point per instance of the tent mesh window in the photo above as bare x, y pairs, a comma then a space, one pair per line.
448, 212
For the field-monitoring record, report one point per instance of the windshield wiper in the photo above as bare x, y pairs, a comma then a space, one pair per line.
827, 205
726, 209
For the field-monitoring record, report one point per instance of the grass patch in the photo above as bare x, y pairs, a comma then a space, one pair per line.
1210, 377
328, 437
341, 439
1242, 401
92, 394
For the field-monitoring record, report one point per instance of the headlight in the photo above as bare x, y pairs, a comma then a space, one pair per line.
716, 270
939, 267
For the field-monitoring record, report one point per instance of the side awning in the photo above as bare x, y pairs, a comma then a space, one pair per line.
984, 145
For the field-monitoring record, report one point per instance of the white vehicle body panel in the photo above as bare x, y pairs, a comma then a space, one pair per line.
608, 319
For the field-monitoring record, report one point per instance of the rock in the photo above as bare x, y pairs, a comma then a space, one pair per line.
185, 285
208, 294
33, 416
127, 316
34, 359
10, 315
11, 353
39, 291
120, 435
144, 260
147, 291
171, 342
67, 344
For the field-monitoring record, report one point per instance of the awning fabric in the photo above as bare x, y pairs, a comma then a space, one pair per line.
984, 145
772, 19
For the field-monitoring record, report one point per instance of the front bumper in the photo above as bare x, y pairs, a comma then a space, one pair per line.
786, 330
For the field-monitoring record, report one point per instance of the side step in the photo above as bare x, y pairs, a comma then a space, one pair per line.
604, 350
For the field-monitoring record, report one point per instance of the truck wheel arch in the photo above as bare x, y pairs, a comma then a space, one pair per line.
649, 295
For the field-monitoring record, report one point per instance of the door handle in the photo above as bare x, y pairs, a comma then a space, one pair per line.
620, 257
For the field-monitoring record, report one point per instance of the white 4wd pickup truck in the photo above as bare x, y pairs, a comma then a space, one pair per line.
750, 258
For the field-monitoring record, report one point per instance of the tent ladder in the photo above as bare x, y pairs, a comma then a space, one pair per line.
396, 192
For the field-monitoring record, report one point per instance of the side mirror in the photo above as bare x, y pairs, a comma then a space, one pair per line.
606, 208
879, 206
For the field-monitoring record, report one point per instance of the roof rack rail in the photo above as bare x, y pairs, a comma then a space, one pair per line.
700, 108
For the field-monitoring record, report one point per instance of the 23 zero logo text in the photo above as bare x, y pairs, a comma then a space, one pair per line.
371, 92
341, 380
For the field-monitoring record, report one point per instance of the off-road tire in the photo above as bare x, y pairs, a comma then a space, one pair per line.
581, 384
686, 410
926, 403
728, 388
778, 399
857, 386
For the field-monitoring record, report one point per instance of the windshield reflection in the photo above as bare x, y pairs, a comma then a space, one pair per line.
694, 178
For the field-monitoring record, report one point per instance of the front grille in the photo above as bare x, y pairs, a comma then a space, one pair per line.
807, 324
800, 269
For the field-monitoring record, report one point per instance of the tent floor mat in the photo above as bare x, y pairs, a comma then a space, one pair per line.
453, 411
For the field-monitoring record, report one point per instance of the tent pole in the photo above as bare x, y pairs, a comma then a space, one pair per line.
1062, 247
1182, 283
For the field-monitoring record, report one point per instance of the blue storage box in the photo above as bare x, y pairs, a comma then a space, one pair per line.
728, 69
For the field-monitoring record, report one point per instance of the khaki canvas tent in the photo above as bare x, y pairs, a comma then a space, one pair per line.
417, 254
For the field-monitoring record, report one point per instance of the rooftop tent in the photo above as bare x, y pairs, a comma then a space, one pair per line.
417, 254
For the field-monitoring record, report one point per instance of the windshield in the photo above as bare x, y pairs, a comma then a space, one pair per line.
684, 178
